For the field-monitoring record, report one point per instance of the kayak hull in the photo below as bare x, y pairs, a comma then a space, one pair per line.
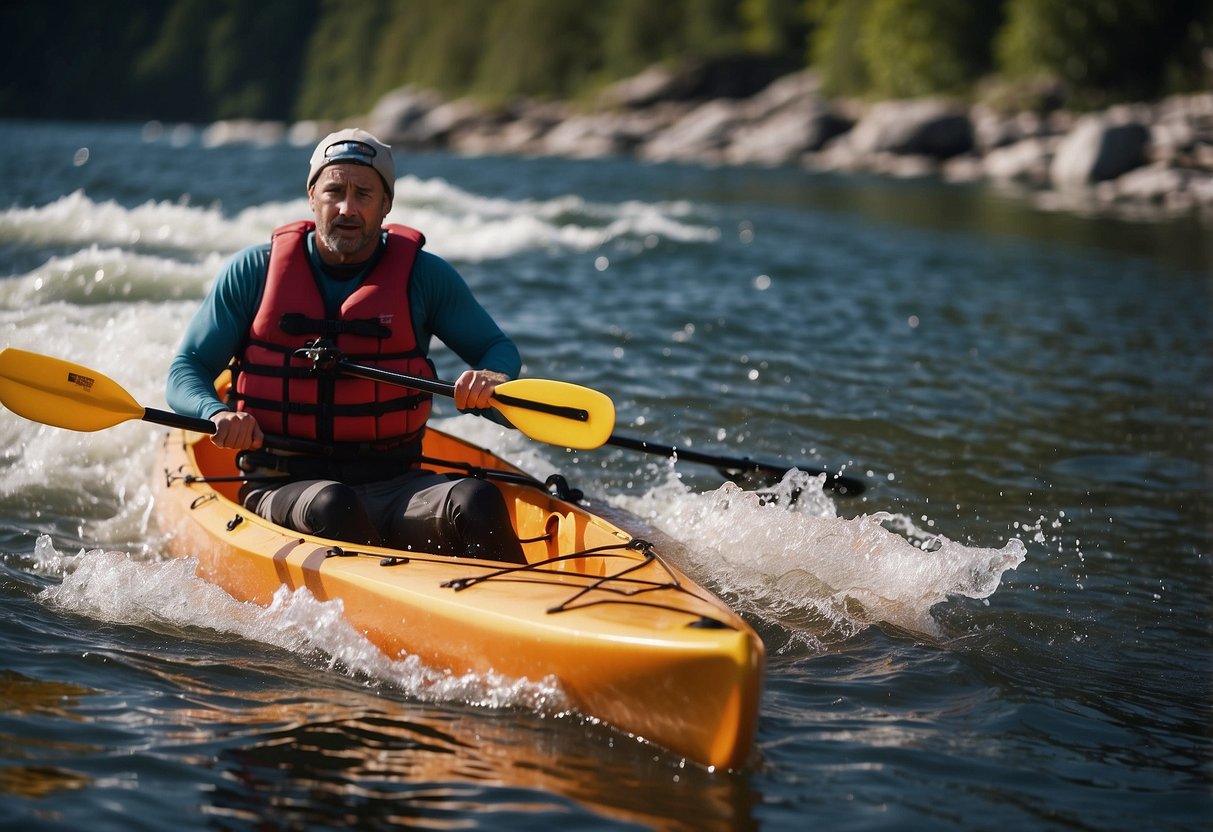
630, 639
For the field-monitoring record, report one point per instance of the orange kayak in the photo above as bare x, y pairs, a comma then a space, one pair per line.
632, 640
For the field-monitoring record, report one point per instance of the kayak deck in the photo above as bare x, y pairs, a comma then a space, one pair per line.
631, 640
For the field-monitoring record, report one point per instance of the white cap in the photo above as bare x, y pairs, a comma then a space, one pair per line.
354, 146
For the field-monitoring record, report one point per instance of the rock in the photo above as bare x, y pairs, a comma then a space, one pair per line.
701, 135
904, 165
969, 167
1098, 149
308, 133
914, 128
656, 84
396, 112
584, 137
492, 137
1152, 183
992, 129
731, 77
434, 128
1201, 188
795, 90
783, 122
785, 136
243, 131
1024, 161
517, 130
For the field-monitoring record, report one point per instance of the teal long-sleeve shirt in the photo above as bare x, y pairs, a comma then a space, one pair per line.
442, 306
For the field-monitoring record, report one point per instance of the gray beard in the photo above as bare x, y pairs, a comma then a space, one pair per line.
345, 246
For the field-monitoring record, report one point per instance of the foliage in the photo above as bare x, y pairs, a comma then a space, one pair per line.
539, 48
73, 57
1106, 49
205, 59
340, 58
777, 28
254, 53
834, 44
927, 47
433, 44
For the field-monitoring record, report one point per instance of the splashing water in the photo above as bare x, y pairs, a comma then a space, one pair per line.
799, 566
110, 586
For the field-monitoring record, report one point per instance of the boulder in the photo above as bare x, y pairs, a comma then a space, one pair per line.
785, 136
992, 129
923, 127
800, 89
700, 135
584, 137
1152, 183
658, 83
396, 112
1098, 149
243, 131
434, 128
1024, 161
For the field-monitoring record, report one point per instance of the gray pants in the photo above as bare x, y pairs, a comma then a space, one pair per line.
420, 511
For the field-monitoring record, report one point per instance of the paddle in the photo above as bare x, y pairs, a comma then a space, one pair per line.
554, 412
65, 395
736, 468
577, 414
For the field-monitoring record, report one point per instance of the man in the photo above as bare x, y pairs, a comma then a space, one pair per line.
372, 293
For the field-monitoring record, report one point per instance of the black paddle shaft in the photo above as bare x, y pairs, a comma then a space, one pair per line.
835, 482
446, 388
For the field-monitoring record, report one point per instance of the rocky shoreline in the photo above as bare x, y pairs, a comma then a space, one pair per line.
1140, 160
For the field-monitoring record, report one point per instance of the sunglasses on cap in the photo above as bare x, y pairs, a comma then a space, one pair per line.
349, 148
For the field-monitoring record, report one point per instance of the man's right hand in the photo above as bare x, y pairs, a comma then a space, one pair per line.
236, 430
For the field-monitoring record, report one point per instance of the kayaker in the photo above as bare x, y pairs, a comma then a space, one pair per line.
374, 294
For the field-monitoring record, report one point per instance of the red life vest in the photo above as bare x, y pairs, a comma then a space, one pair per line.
373, 326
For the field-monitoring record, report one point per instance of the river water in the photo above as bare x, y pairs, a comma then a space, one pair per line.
1010, 629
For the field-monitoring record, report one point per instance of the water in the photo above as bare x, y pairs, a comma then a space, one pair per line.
1010, 629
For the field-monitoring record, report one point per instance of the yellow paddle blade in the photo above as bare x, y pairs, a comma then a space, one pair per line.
59, 393
557, 412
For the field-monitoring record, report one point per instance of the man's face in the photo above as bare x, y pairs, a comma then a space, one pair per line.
350, 204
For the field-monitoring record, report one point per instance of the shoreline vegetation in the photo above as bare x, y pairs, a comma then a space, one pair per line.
1144, 161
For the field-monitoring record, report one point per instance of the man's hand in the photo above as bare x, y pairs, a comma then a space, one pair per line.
474, 388
236, 430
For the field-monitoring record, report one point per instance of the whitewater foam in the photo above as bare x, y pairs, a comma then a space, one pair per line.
111, 586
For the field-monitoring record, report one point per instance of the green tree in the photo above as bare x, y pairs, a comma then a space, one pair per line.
254, 55
713, 28
169, 72
339, 59
436, 44
548, 48
640, 33
1103, 50
776, 28
834, 44
926, 47
72, 58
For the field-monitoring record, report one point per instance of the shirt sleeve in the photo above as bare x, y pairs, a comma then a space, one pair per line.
445, 307
216, 334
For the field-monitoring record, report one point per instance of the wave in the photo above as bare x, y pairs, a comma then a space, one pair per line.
459, 225
112, 587
811, 576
